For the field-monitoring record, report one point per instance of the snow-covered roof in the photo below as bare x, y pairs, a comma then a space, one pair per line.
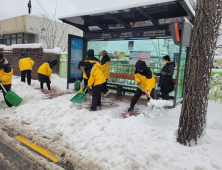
36, 45
120, 7
56, 50
30, 15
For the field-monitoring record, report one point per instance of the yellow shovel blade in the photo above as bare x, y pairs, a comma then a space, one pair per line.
81, 90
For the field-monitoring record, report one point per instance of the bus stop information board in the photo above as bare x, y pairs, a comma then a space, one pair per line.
76, 56
140, 55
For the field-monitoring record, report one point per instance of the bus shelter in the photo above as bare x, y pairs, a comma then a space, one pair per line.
147, 31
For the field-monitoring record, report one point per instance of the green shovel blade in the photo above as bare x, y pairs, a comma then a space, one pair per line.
79, 98
13, 98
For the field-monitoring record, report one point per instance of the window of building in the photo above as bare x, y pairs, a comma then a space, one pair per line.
31, 38
19, 35
13, 41
7, 36
19, 40
13, 35
7, 42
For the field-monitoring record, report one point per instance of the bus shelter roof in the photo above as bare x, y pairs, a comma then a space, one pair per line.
131, 16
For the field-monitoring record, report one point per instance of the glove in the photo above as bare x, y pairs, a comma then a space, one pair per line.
163, 73
88, 88
148, 94
0, 81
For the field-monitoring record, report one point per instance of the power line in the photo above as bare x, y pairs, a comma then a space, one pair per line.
43, 9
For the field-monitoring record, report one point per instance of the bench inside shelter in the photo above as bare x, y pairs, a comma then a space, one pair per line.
122, 88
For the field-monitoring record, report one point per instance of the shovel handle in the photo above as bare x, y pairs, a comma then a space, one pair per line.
3, 87
75, 73
85, 90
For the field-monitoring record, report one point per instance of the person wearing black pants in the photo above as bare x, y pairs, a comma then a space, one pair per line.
44, 72
96, 97
91, 59
6, 74
143, 77
25, 65
29, 77
96, 79
166, 83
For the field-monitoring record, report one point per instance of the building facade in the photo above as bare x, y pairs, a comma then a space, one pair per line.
29, 29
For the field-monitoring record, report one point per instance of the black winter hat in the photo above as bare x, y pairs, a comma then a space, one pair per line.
90, 53
1, 56
166, 57
141, 65
81, 63
54, 62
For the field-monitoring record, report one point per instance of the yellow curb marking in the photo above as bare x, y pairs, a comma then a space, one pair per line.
37, 148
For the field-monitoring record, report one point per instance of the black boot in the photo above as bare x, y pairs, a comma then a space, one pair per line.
130, 109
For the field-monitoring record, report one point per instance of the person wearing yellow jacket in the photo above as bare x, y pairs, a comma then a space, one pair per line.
25, 65
105, 61
143, 76
92, 59
44, 72
96, 79
6, 74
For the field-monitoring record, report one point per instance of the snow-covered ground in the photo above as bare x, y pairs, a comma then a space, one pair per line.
104, 140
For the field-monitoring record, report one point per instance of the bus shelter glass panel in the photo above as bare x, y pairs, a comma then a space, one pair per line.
121, 63
181, 73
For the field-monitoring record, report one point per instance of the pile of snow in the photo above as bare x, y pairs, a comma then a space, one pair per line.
161, 103
56, 50
35, 45
104, 140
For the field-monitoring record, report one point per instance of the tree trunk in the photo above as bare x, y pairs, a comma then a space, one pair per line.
197, 81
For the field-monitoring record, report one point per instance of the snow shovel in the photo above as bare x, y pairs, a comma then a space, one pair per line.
156, 103
81, 89
79, 97
11, 97
77, 82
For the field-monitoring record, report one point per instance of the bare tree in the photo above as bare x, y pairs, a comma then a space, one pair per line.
207, 22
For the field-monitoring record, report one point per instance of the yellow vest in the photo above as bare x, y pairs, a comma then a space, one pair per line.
96, 76
6, 77
45, 69
26, 64
84, 73
106, 69
147, 84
